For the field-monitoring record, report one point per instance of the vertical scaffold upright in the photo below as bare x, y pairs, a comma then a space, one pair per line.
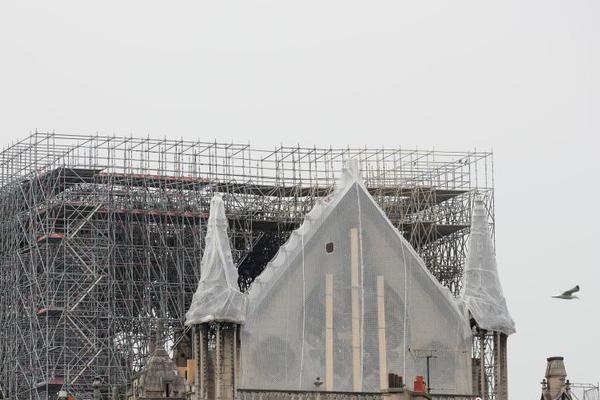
102, 238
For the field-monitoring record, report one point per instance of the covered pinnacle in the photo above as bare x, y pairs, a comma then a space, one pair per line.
350, 173
218, 297
482, 291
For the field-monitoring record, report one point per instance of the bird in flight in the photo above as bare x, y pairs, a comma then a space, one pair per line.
568, 295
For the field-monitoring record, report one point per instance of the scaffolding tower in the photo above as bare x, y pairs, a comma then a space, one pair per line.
102, 238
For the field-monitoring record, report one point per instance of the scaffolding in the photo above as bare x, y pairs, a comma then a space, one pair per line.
585, 391
102, 238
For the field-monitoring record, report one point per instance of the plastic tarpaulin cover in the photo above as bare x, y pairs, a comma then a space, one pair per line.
347, 300
218, 297
482, 291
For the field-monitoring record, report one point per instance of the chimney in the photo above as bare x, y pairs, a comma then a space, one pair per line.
556, 376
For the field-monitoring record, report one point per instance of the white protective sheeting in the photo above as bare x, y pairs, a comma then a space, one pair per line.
482, 292
348, 300
218, 297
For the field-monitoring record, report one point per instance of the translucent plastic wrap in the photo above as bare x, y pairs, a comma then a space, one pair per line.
482, 292
346, 301
217, 297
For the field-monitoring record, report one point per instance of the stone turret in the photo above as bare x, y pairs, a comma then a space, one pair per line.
159, 379
218, 309
556, 386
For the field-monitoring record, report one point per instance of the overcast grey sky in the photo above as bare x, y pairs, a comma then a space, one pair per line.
518, 77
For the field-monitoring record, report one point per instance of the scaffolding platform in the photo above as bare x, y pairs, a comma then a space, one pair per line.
111, 230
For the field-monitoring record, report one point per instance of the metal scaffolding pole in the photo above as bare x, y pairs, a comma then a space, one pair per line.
102, 237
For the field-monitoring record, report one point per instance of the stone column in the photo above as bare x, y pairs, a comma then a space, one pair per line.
216, 350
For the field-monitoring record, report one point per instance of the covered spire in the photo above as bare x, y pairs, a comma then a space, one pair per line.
482, 291
218, 297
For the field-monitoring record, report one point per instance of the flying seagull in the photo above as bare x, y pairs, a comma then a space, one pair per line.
568, 295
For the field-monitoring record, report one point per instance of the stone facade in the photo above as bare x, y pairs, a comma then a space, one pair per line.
160, 379
555, 385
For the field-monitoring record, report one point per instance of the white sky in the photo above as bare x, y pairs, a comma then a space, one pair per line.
520, 77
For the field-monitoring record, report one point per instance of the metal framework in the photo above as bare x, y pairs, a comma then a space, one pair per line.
490, 372
585, 391
102, 238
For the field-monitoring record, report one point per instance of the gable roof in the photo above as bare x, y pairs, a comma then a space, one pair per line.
349, 180
348, 248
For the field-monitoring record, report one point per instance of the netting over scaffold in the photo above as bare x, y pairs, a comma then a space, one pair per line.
346, 301
482, 291
218, 297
